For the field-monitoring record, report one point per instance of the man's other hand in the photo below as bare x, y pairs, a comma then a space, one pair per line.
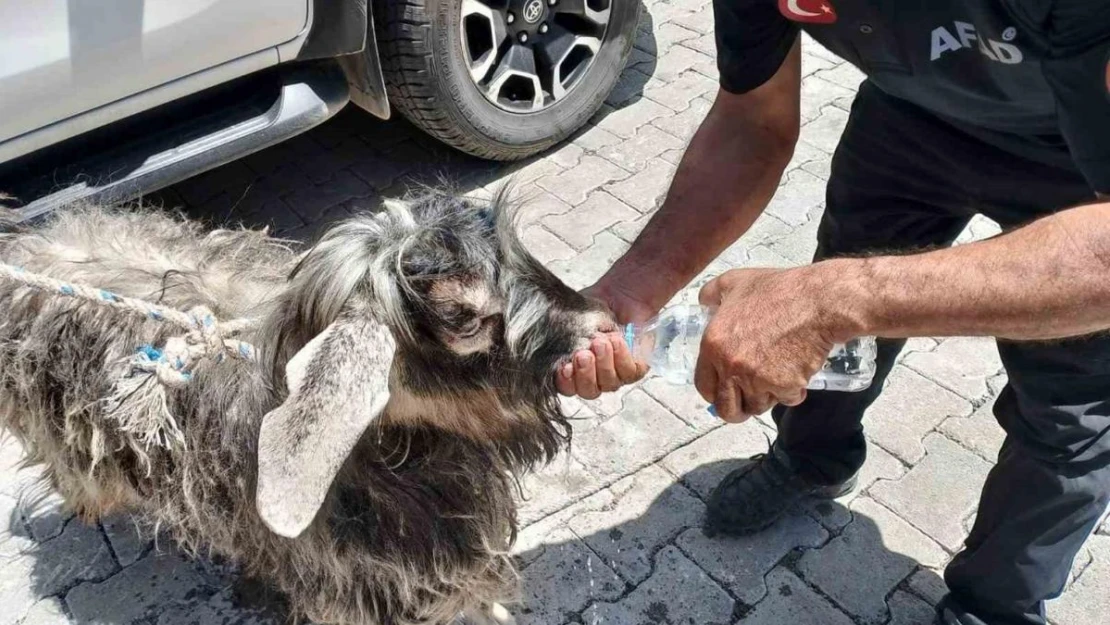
768, 337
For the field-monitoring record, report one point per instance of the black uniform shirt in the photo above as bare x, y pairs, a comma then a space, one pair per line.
1031, 76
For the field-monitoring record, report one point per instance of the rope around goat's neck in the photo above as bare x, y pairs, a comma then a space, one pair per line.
173, 363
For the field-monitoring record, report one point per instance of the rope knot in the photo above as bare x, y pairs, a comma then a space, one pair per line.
151, 370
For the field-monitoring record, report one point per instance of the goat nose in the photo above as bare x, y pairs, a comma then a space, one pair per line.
600, 321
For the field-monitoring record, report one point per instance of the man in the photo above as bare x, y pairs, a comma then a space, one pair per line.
975, 106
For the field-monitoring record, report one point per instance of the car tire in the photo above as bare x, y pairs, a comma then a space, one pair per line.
429, 79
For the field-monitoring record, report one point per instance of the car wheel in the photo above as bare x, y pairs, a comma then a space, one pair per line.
502, 79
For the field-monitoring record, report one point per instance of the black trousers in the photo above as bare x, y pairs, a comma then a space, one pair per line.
905, 180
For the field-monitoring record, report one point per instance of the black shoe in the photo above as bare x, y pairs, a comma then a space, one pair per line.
753, 497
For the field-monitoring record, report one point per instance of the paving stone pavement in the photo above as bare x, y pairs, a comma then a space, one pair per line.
612, 530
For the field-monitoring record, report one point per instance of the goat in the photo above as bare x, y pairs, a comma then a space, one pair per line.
364, 464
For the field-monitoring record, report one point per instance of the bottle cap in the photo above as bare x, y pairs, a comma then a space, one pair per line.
629, 335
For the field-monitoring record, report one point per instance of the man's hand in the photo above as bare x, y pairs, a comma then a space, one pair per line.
608, 364
768, 337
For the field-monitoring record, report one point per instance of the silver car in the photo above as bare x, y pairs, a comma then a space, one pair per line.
110, 99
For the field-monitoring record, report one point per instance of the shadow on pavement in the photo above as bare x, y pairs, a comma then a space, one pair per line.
636, 554
631, 554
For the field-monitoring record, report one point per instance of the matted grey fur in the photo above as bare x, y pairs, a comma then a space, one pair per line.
405, 379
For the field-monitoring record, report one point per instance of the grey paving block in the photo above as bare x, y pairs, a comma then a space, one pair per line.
811, 46
220, 609
805, 153
845, 74
12, 528
585, 269
701, 465
980, 227
49, 611
799, 245
629, 230
563, 581
657, 13
533, 541
706, 44
645, 190
566, 155
1087, 601
683, 125
791, 601
700, 20
545, 246
17, 593
634, 154
78, 554
581, 224
642, 433
763, 256
608, 405
818, 93
629, 88
680, 59
891, 549
812, 63
906, 609
46, 514
678, 593
824, 131
142, 590
961, 364
683, 401
939, 492
520, 175
741, 563
664, 37
820, 168
679, 93
592, 138
532, 204
574, 185
626, 121
910, 407
14, 480
554, 487
799, 195
880, 465
929, 585
979, 432
674, 157
647, 510
128, 538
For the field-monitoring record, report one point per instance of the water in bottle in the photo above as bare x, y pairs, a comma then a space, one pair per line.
670, 342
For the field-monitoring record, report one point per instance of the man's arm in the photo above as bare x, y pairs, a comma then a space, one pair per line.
774, 328
725, 179
1048, 280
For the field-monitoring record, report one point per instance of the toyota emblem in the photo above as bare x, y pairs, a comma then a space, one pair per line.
533, 10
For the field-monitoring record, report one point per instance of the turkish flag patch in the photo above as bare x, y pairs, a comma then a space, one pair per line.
809, 11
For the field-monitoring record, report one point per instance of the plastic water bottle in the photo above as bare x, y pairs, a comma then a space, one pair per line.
670, 342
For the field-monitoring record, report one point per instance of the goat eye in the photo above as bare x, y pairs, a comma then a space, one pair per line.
472, 328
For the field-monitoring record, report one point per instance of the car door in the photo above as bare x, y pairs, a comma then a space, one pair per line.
60, 58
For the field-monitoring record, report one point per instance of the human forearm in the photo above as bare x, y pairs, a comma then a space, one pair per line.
722, 185
1050, 279
727, 176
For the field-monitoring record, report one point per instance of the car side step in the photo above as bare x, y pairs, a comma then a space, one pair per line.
164, 146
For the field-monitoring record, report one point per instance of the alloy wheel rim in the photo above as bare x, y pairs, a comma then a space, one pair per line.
526, 55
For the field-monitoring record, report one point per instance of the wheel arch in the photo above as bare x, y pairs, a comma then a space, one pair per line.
344, 30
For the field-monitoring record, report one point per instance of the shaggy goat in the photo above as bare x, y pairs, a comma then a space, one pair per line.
365, 463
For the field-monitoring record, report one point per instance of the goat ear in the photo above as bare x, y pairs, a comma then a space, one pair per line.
338, 385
